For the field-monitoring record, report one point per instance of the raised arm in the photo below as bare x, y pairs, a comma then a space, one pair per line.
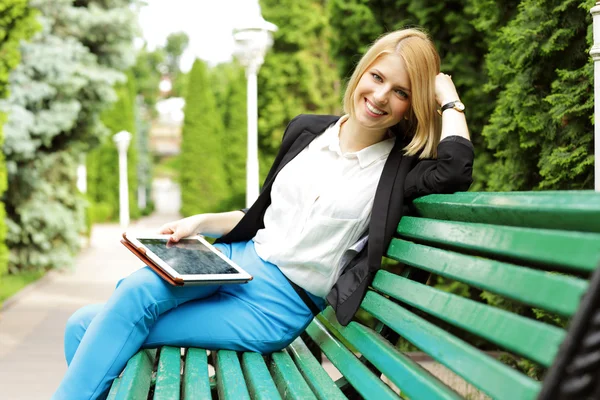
452, 170
454, 122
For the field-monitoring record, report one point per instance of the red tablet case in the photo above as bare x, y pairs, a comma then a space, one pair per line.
141, 254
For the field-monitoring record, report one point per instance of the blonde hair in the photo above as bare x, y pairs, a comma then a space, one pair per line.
423, 64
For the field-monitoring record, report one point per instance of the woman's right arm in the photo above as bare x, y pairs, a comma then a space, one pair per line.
214, 225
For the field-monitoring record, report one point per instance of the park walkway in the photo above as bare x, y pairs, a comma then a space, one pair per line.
32, 322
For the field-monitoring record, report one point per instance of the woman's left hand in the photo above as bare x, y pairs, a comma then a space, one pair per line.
445, 91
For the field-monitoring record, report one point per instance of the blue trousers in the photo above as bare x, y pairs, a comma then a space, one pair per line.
263, 315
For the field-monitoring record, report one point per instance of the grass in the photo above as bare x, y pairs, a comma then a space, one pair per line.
11, 284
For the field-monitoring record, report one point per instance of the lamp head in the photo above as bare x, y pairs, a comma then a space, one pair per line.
253, 37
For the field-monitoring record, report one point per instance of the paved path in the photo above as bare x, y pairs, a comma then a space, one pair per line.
32, 323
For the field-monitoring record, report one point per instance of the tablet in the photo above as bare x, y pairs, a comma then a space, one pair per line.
192, 260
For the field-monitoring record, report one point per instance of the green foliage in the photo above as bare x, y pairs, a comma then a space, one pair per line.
176, 45
298, 75
180, 85
174, 48
45, 219
540, 129
229, 84
146, 74
57, 93
103, 162
17, 23
202, 177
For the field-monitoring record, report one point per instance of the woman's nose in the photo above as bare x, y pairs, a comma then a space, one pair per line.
380, 95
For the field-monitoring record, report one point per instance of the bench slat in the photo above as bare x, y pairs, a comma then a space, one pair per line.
195, 375
361, 378
529, 338
575, 251
168, 374
573, 210
137, 376
412, 379
288, 379
114, 388
553, 292
317, 378
484, 372
259, 381
230, 380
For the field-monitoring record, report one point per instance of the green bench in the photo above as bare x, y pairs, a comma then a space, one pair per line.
536, 248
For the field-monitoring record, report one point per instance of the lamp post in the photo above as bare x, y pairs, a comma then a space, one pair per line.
122, 140
253, 39
595, 53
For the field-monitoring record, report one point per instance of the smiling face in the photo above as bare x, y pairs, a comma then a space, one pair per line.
382, 95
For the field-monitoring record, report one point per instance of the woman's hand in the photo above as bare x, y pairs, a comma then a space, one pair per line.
182, 228
445, 91
213, 225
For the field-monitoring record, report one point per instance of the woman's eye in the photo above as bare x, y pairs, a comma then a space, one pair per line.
402, 93
376, 77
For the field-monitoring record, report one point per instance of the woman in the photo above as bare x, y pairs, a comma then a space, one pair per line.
315, 235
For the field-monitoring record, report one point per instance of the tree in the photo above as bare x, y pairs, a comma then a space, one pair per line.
229, 84
176, 45
202, 177
541, 129
298, 75
146, 73
65, 80
17, 23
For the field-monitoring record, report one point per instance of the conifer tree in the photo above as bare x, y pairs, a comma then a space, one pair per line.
17, 23
202, 176
298, 75
230, 92
65, 80
541, 128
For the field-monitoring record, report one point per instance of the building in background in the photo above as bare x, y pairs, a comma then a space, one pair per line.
165, 133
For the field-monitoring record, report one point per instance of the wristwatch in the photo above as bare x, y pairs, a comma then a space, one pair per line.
456, 105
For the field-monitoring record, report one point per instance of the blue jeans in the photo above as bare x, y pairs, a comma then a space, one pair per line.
263, 315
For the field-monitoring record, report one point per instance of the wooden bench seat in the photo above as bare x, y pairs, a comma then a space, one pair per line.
536, 249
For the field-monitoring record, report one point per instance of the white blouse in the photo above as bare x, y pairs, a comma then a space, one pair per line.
321, 204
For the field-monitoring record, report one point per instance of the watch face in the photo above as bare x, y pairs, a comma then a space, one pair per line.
459, 106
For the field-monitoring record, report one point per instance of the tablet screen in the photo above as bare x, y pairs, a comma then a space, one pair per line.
189, 257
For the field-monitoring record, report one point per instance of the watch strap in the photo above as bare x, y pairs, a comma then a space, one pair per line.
453, 105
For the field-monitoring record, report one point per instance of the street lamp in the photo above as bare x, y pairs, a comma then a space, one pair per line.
253, 39
122, 140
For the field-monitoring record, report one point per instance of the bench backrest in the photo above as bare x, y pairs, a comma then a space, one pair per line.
537, 249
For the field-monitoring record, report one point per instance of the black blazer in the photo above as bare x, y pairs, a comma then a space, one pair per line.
403, 178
